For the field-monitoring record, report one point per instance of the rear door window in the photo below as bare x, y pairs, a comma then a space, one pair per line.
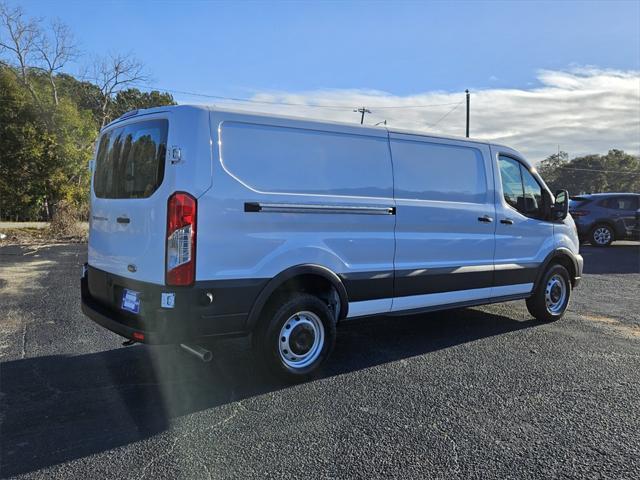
130, 160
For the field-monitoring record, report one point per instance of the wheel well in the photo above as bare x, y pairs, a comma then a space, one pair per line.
316, 285
567, 263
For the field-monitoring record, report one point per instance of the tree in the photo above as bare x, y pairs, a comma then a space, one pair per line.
550, 169
49, 119
41, 163
113, 74
18, 37
615, 171
54, 51
132, 99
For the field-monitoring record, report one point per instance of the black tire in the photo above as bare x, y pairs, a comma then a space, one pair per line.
266, 339
537, 303
601, 235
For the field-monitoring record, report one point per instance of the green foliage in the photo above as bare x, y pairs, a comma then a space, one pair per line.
132, 98
45, 148
616, 171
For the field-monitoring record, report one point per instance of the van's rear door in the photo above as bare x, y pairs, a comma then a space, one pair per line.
130, 187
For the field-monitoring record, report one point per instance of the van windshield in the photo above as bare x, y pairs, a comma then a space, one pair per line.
130, 160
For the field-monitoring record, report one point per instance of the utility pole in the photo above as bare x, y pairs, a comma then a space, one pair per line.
362, 110
468, 100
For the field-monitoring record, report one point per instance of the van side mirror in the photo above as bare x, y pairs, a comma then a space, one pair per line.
560, 208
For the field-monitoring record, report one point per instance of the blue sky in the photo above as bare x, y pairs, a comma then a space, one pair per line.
543, 75
237, 48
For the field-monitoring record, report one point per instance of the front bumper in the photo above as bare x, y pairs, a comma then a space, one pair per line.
579, 266
189, 320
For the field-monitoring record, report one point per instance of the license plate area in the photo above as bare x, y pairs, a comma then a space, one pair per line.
130, 301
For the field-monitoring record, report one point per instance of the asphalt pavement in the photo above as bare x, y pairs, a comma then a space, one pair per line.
472, 393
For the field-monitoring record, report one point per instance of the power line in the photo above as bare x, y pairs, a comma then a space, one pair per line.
446, 114
628, 172
415, 106
293, 104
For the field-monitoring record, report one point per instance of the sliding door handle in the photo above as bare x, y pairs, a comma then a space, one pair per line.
507, 221
485, 219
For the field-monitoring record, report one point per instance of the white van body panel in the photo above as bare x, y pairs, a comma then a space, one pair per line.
528, 240
566, 235
261, 245
437, 208
114, 246
137, 249
407, 221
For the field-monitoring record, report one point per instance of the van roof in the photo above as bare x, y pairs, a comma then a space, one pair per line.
215, 108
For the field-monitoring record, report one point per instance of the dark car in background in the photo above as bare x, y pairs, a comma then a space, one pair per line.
602, 218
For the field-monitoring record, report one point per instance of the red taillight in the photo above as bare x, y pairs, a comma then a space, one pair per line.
138, 336
181, 239
579, 213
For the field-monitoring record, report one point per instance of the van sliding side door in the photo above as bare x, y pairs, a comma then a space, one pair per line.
445, 221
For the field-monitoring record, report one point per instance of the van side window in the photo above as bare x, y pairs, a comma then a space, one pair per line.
521, 190
433, 171
130, 160
533, 206
280, 159
511, 181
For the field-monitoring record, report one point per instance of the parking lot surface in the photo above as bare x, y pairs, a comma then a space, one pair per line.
472, 393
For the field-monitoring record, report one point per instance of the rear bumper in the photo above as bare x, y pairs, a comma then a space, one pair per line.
189, 320
111, 321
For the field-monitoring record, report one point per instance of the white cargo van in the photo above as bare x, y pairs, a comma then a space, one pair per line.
208, 222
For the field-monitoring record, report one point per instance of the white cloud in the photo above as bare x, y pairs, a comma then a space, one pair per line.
584, 110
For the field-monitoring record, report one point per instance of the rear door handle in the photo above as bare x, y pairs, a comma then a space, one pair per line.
485, 219
122, 220
507, 221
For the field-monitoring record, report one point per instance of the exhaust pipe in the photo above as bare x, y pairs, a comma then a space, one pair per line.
201, 353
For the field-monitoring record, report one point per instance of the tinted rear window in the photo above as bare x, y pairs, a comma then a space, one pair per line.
130, 160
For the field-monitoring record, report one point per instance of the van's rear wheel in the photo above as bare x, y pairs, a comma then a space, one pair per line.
297, 337
551, 298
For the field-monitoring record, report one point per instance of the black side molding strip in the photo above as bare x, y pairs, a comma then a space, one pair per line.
317, 208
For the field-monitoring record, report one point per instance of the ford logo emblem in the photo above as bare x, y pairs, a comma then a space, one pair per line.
132, 268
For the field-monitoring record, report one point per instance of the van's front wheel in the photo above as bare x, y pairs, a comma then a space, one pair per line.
551, 298
297, 338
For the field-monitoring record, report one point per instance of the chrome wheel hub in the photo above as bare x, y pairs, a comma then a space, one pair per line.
555, 294
602, 235
301, 339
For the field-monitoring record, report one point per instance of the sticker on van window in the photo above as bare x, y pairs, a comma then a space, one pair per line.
131, 301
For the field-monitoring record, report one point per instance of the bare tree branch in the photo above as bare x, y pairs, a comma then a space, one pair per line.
54, 52
18, 36
114, 73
